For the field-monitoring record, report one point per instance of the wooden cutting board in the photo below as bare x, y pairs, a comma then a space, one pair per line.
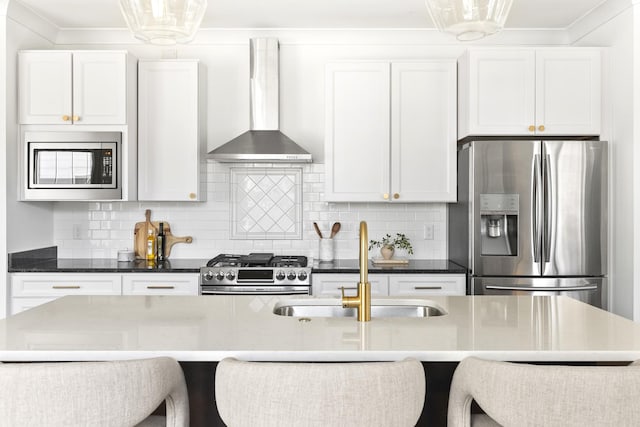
141, 231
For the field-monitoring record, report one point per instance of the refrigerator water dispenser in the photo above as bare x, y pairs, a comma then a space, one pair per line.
499, 224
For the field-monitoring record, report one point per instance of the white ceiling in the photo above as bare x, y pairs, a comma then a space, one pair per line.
311, 13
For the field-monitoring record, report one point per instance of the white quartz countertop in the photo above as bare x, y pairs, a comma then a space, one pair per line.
210, 328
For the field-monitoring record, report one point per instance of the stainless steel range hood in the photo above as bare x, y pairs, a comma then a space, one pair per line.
264, 142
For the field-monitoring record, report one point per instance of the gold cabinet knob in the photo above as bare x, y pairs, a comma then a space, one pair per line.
541, 128
385, 196
192, 196
76, 118
532, 128
396, 196
65, 118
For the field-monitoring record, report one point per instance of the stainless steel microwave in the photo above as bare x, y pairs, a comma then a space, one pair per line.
73, 165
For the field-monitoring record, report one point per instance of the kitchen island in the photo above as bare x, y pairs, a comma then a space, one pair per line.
199, 331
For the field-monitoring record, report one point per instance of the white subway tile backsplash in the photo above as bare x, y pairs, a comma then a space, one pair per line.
107, 227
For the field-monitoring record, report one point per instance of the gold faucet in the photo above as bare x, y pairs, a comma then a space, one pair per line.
362, 300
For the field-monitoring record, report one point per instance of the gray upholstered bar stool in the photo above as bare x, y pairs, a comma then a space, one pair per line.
514, 394
320, 394
119, 393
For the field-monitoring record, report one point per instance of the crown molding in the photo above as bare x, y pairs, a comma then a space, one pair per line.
329, 36
597, 17
24, 16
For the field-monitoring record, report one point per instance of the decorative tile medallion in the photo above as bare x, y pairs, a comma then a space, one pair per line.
266, 203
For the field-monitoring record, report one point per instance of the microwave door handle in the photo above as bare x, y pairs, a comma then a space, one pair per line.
536, 226
540, 288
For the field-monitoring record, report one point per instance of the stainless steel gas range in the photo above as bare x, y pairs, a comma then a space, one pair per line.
256, 274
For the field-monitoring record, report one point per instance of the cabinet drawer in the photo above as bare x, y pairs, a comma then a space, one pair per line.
412, 285
21, 304
160, 284
54, 285
329, 285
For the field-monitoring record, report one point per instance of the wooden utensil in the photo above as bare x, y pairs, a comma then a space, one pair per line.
140, 233
335, 228
318, 232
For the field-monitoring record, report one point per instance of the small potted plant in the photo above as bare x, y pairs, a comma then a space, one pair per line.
388, 244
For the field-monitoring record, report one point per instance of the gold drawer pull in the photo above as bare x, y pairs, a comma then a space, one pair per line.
427, 288
396, 196
66, 286
385, 196
160, 287
541, 128
532, 128
76, 118
65, 118
192, 196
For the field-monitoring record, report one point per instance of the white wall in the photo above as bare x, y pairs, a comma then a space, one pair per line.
617, 33
29, 225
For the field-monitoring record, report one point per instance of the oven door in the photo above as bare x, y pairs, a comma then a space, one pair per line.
254, 289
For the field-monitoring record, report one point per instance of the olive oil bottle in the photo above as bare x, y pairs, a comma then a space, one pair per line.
151, 245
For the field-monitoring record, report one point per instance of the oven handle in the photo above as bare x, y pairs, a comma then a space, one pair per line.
258, 292
255, 280
546, 288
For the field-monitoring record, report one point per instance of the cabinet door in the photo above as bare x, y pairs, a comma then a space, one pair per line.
99, 88
160, 284
168, 135
44, 87
357, 132
568, 91
328, 285
423, 131
422, 285
497, 89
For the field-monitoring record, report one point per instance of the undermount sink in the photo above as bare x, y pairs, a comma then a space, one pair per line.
329, 308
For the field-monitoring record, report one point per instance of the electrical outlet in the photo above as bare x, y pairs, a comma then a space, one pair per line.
428, 232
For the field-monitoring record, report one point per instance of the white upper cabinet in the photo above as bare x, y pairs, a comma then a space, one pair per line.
553, 91
171, 135
72, 87
357, 155
391, 131
423, 131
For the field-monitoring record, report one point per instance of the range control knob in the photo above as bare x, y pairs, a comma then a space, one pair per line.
291, 275
280, 275
231, 275
208, 275
220, 275
302, 275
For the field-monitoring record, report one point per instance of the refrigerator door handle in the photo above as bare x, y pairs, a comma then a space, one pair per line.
548, 208
537, 288
536, 229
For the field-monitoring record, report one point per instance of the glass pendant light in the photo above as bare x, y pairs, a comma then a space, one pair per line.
469, 19
163, 21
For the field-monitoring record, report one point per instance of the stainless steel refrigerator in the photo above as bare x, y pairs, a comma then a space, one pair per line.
531, 217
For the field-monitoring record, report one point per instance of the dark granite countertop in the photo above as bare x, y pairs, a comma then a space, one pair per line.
45, 261
415, 266
105, 265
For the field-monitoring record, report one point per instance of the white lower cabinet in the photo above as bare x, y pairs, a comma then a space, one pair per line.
328, 285
401, 285
29, 290
423, 285
160, 284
